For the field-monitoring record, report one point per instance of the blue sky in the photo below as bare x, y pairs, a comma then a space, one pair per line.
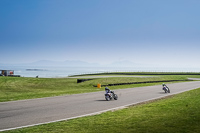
101, 31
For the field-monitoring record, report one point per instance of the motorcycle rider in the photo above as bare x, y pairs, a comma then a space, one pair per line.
164, 86
107, 90
111, 94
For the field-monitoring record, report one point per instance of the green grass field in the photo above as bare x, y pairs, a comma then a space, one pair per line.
175, 114
19, 88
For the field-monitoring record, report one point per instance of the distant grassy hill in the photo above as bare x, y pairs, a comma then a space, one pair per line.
140, 73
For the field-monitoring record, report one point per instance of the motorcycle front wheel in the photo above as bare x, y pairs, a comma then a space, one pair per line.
115, 97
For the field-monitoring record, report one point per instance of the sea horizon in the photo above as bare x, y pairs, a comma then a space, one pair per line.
64, 71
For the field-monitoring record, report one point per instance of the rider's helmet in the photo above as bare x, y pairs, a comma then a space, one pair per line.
163, 84
106, 88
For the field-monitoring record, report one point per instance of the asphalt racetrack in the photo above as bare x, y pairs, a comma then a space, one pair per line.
24, 113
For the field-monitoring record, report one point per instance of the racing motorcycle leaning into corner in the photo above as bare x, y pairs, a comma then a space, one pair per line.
109, 95
165, 88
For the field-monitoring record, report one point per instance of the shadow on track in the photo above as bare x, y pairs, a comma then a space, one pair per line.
100, 100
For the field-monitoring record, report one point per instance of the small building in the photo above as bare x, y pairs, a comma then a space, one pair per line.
6, 72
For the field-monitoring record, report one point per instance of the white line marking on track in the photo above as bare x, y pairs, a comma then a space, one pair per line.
96, 113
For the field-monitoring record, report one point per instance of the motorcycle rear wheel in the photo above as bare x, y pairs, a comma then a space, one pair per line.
108, 98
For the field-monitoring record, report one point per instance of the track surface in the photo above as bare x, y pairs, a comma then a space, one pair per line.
24, 113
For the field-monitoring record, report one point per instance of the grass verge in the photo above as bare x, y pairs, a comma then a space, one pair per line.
177, 114
19, 88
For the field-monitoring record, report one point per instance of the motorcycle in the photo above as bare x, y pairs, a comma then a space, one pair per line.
110, 96
166, 89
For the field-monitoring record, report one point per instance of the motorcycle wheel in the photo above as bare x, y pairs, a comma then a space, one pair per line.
168, 91
107, 98
115, 97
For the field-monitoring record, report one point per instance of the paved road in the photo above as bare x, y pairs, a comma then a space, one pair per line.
32, 112
112, 76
